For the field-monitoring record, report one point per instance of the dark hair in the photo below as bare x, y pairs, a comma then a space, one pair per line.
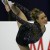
34, 13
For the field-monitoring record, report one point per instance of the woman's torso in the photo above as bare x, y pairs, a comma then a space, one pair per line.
27, 30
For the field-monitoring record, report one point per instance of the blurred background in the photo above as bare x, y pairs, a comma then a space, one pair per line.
30, 4
8, 33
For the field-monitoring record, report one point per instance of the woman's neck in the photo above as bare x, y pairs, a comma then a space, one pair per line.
42, 25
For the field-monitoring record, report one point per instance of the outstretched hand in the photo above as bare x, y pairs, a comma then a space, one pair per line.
7, 8
5, 2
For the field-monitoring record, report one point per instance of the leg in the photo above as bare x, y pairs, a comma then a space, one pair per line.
23, 47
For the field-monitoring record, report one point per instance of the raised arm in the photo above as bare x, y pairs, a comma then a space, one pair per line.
15, 10
25, 11
17, 14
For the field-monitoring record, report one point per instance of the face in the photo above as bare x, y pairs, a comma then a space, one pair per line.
42, 19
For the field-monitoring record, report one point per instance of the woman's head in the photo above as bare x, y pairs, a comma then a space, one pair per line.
39, 16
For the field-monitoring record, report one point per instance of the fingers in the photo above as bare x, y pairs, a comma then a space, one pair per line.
7, 8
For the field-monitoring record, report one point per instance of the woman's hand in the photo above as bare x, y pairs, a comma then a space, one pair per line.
5, 2
7, 8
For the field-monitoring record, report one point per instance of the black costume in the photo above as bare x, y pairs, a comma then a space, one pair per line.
28, 32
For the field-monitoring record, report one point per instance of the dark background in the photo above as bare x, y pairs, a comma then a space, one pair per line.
30, 4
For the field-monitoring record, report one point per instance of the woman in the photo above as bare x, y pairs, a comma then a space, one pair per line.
30, 32
11, 6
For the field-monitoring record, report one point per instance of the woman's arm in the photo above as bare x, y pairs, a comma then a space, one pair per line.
5, 2
24, 10
17, 12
